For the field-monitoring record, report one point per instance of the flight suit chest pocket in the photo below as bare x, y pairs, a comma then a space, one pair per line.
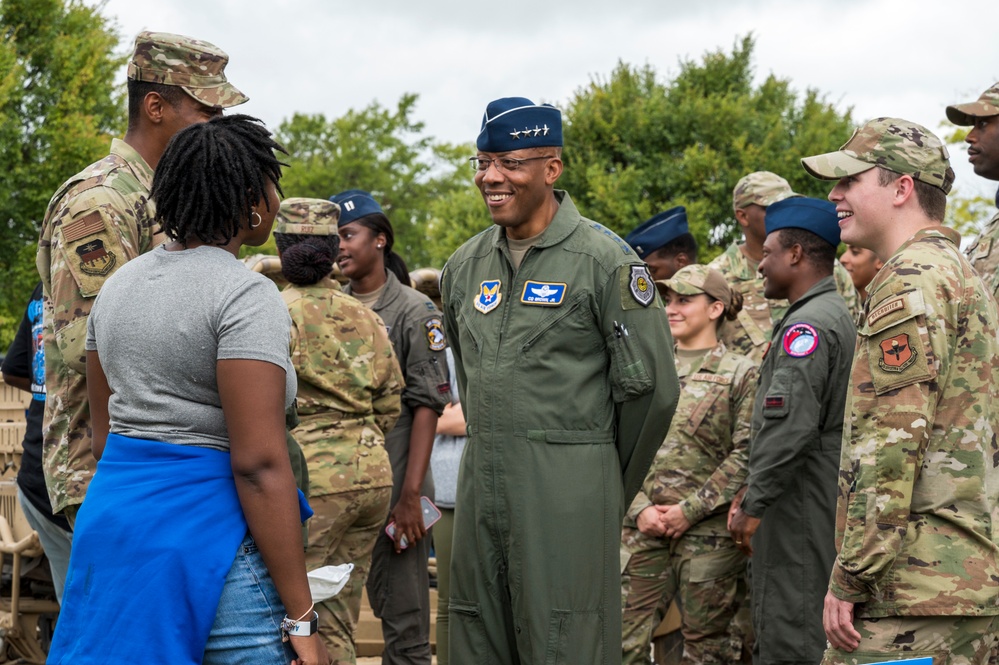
629, 377
897, 342
559, 325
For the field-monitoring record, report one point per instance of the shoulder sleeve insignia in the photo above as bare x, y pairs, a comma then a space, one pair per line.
435, 335
95, 259
800, 340
897, 353
81, 228
641, 286
489, 296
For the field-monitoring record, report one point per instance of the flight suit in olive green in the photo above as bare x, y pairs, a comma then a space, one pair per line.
568, 386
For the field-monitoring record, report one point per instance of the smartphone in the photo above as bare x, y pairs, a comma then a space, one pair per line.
431, 514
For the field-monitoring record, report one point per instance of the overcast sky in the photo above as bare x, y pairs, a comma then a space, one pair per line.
905, 58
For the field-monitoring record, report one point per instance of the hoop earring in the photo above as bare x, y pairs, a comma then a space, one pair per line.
260, 219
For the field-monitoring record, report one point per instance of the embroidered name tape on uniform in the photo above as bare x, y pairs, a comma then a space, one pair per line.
800, 340
641, 286
435, 335
545, 294
489, 296
710, 378
897, 354
885, 310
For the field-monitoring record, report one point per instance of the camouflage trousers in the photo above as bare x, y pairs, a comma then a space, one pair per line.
949, 640
704, 574
344, 530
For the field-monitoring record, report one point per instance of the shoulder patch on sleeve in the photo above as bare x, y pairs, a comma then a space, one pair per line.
92, 251
896, 346
637, 289
800, 340
435, 334
884, 310
87, 225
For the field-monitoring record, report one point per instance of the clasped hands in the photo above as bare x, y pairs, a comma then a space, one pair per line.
662, 521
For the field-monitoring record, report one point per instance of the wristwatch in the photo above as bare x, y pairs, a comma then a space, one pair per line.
300, 628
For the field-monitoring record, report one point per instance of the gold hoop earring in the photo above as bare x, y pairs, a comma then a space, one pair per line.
260, 220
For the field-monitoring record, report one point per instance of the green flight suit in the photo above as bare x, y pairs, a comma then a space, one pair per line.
399, 584
793, 471
568, 385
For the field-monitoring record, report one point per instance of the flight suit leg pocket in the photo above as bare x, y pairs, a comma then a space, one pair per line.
628, 375
466, 632
574, 637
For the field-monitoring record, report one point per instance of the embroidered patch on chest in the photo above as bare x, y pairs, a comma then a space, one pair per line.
641, 286
435, 335
800, 340
897, 353
489, 296
544, 294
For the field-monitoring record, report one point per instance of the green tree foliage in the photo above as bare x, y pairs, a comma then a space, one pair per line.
383, 151
58, 111
637, 144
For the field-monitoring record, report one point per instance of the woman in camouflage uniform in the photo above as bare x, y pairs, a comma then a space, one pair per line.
674, 537
349, 384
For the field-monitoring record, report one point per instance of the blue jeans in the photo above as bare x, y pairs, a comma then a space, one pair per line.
247, 626
55, 540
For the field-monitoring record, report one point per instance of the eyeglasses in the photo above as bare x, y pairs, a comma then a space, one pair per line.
508, 164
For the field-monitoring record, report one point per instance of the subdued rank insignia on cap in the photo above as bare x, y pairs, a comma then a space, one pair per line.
489, 296
641, 286
95, 259
800, 340
897, 353
435, 335
544, 294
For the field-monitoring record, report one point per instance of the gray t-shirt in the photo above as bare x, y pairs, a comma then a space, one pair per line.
160, 324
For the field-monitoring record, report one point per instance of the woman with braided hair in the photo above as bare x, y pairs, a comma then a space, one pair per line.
188, 548
349, 384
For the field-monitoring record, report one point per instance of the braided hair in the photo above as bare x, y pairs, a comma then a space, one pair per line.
306, 259
379, 223
211, 176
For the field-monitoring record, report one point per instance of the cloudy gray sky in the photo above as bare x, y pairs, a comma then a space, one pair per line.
906, 58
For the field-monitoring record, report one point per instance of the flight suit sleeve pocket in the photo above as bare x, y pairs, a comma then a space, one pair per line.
777, 401
628, 377
428, 384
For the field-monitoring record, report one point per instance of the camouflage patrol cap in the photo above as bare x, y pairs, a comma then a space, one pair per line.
762, 188
307, 217
197, 67
695, 279
892, 143
987, 105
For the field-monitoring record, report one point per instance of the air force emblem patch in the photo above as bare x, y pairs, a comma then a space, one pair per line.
800, 340
641, 286
544, 294
435, 335
489, 296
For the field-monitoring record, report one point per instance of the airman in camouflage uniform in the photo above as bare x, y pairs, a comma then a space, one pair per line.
916, 525
983, 153
699, 467
101, 218
349, 383
750, 333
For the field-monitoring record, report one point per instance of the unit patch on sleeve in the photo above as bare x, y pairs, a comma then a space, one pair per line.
897, 353
641, 286
435, 335
800, 340
544, 294
95, 259
489, 296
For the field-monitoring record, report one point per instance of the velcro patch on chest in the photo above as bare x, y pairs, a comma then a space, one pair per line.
488, 297
543, 294
710, 378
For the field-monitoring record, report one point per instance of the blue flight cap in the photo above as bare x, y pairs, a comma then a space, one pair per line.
354, 204
658, 231
800, 212
515, 123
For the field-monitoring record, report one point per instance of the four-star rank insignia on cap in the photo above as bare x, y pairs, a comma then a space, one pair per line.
95, 259
800, 340
435, 335
641, 286
489, 296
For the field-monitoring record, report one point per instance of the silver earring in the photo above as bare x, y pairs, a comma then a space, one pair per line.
379, 246
260, 219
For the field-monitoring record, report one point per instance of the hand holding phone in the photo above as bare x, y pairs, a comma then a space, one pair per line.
431, 514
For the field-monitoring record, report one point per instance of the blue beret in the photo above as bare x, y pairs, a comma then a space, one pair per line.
354, 204
800, 212
658, 231
515, 123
